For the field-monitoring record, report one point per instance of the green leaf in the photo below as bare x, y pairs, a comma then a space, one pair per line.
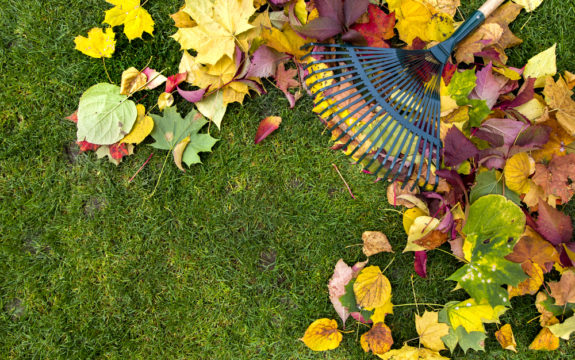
213, 107
564, 329
474, 340
198, 143
170, 128
461, 84
491, 182
492, 229
478, 112
105, 116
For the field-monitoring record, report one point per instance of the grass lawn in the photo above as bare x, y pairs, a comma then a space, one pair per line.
229, 260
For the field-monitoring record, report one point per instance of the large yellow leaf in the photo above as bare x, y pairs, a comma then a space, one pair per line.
136, 19
221, 24
558, 97
322, 335
378, 339
545, 340
430, 330
541, 65
505, 338
471, 316
517, 171
285, 41
419, 19
98, 44
411, 353
141, 129
372, 289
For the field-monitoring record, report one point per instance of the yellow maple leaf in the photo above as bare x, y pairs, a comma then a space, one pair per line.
136, 19
142, 127
558, 97
98, 44
517, 171
410, 353
541, 65
285, 41
505, 338
322, 335
221, 24
471, 315
372, 289
419, 19
430, 330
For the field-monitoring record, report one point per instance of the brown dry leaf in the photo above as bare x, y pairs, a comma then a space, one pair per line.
322, 335
532, 247
394, 191
558, 97
132, 81
487, 35
558, 177
569, 79
530, 285
179, 152
375, 242
545, 340
506, 338
372, 289
378, 339
563, 291
432, 240
430, 330
558, 140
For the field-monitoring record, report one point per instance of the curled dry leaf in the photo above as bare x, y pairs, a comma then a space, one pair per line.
375, 242
372, 289
545, 340
179, 152
409, 217
395, 190
165, 100
267, 126
563, 291
377, 340
132, 80
505, 338
322, 335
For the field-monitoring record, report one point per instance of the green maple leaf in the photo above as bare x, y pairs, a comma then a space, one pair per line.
467, 340
493, 228
460, 86
170, 129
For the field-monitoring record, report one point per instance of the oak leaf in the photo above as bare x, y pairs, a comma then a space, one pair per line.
375, 242
378, 339
98, 44
322, 335
132, 15
430, 330
372, 289
505, 338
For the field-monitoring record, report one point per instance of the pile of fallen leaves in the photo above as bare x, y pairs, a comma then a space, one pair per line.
507, 161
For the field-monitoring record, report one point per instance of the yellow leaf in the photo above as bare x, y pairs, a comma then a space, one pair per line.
189, 65
165, 100
422, 226
418, 19
558, 140
409, 217
215, 76
506, 338
529, 5
182, 19
446, 6
141, 129
430, 330
380, 312
541, 65
411, 353
448, 104
532, 109
136, 19
530, 285
558, 97
508, 73
570, 79
301, 11
221, 25
545, 340
372, 289
322, 335
98, 44
132, 80
235, 92
378, 339
471, 316
285, 41
517, 171
179, 152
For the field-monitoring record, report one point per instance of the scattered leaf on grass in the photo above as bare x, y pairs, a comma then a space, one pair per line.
377, 340
136, 19
98, 44
375, 242
267, 126
322, 335
564, 329
545, 340
372, 289
505, 338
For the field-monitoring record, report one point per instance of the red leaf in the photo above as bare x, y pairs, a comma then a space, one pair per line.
420, 263
553, 225
174, 81
448, 72
118, 151
73, 117
264, 62
267, 126
458, 148
378, 29
321, 28
285, 80
524, 95
86, 146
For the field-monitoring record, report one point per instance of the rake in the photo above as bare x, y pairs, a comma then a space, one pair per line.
382, 104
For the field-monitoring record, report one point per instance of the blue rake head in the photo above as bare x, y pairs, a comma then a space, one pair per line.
383, 104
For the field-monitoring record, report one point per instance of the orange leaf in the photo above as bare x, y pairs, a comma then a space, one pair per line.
378, 339
545, 340
506, 338
267, 126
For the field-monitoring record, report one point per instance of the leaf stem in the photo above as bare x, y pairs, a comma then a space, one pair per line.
345, 182
417, 304
160, 177
106, 70
141, 167
388, 265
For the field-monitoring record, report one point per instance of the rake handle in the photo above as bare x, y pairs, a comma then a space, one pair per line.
490, 6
